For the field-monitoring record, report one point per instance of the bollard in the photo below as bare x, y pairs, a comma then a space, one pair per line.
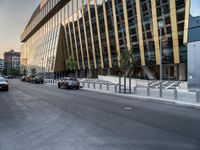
115, 88
119, 84
148, 91
100, 86
107, 87
129, 85
88, 85
83, 84
198, 96
175, 94
93, 85
135, 90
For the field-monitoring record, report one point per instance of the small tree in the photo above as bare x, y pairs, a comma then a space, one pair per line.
24, 71
33, 71
126, 64
71, 64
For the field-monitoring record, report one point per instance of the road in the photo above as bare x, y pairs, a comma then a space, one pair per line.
42, 117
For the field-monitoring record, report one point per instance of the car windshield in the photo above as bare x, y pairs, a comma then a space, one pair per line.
72, 79
2, 79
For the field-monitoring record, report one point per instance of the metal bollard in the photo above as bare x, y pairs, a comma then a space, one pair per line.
107, 87
100, 86
115, 88
93, 85
148, 91
198, 96
135, 90
175, 94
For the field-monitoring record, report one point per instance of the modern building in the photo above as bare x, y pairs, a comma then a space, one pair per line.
1, 65
12, 60
96, 32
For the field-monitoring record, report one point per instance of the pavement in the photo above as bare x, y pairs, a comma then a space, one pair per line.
42, 117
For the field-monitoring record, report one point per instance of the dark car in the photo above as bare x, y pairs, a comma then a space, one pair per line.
37, 80
4, 84
69, 83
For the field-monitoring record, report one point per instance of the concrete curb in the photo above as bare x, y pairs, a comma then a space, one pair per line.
145, 98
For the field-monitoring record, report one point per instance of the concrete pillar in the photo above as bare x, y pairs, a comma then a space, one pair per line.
109, 72
182, 72
89, 73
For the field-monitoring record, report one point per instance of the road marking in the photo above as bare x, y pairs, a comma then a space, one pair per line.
127, 108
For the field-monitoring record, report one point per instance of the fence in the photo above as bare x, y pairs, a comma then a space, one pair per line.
172, 94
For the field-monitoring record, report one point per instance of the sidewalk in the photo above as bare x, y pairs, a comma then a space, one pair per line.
147, 98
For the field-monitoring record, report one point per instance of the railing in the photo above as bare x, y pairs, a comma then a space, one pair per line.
171, 94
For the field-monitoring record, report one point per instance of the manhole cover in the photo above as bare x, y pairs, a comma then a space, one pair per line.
127, 108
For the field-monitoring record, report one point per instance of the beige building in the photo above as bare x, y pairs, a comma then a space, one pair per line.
96, 32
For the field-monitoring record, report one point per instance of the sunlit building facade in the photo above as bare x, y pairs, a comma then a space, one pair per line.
96, 32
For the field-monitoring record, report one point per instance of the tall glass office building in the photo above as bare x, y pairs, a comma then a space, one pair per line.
96, 32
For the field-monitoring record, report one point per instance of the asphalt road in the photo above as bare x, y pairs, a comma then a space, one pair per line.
41, 117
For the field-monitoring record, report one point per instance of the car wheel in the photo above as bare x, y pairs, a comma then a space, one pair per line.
59, 86
78, 88
7, 89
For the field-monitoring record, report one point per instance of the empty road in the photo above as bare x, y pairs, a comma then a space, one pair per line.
42, 117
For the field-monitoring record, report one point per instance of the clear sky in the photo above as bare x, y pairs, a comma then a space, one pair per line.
14, 15
195, 8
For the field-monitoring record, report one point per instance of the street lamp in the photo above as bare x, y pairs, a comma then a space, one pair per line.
161, 25
43, 68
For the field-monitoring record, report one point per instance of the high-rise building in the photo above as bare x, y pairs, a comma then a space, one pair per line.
96, 32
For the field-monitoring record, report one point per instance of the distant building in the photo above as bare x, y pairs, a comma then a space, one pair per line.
12, 60
1, 64
16, 62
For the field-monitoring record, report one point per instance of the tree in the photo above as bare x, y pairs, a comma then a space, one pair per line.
126, 65
71, 64
24, 71
33, 71
13, 72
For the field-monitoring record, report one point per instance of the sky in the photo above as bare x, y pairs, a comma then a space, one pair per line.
14, 16
194, 10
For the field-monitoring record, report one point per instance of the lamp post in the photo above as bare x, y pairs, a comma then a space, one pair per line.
43, 68
161, 25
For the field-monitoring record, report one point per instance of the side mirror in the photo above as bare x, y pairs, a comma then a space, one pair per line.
7, 81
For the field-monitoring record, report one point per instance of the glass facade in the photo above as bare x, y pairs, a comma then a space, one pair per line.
96, 32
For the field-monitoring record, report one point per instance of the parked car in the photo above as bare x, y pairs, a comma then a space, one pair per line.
69, 83
23, 78
28, 78
37, 80
4, 84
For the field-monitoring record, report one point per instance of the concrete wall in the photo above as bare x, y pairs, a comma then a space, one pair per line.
194, 65
115, 79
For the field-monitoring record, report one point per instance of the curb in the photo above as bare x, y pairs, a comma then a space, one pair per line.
145, 98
